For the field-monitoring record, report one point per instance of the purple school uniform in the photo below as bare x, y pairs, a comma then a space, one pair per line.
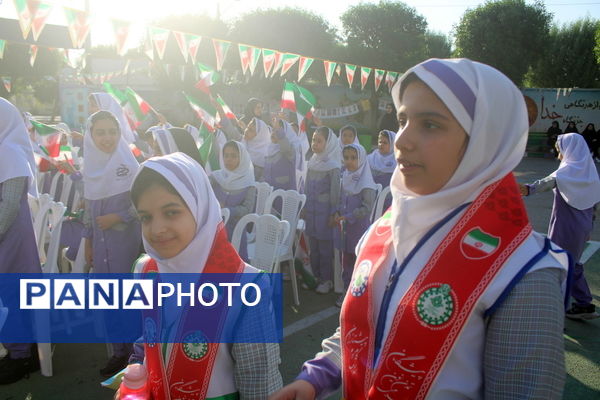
570, 228
383, 178
231, 200
18, 254
280, 172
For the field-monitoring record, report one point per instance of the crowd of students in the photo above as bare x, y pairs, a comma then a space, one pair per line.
443, 293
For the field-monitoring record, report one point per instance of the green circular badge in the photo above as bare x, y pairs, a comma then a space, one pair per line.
195, 346
435, 305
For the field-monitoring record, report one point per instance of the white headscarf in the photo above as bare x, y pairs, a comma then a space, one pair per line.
108, 103
241, 177
355, 182
106, 175
163, 137
330, 158
384, 162
257, 147
16, 155
195, 132
491, 109
576, 176
353, 129
193, 186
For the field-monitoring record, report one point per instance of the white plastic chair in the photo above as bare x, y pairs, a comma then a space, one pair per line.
77, 266
65, 193
271, 233
263, 191
379, 202
292, 204
225, 213
54, 186
40, 224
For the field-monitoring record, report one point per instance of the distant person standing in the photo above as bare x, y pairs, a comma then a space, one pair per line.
552, 134
571, 127
388, 121
591, 139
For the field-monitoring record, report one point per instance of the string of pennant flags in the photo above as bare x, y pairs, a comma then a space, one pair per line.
33, 14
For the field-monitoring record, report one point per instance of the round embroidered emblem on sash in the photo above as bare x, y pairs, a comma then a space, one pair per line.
150, 332
435, 305
361, 278
195, 346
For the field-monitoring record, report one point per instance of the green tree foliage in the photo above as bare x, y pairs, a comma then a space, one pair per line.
569, 59
388, 35
437, 45
510, 35
597, 47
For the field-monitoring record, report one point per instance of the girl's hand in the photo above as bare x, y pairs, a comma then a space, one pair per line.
250, 131
524, 189
107, 221
298, 390
332, 222
88, 252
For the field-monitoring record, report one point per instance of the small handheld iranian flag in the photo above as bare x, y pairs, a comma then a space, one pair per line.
48, 138
228, 113
205, 112
477, 244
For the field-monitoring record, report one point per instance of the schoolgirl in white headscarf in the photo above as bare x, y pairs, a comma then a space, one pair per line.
405, 331
239, 178
108, 103
330, 157
384, 162
257, 146
353, 182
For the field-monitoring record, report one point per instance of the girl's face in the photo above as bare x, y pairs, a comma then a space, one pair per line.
430, 142
231, 157
383, 144
351, 159
167, 223
258, 109
318, 143
347, 136
106, 135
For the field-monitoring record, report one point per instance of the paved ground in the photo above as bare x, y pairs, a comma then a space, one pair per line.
76, 366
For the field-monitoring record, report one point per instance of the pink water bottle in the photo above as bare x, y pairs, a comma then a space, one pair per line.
134, 385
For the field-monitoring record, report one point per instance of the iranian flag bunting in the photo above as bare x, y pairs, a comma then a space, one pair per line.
78, 25
221, 48
228, 113
329, 70
181, 40
25, 12
47, 137
268, 60
277, 62
254, 58
244, 57
350, 70
303, 66
193, 42
7, 83
38, 23
206, 112
2, 47
287, 97
121, 29
159, 37
390, 79
287, 62
33, 50
364, 76
379, 73
208, 77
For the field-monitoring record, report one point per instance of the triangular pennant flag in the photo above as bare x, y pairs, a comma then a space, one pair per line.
121, 29
181, 40
205, 111
208, 77
268, 60
391, 79
338, 70
221, 48
254, 58
25, 12
330, 68
350, 70
159, 38
39, 19
148, 47
228, 113
2, 47
193, 42
303, 66
244, 56
47, 137
288, 61
33, 50
7, 83
277, 63
379, 73
364, 76
78, 25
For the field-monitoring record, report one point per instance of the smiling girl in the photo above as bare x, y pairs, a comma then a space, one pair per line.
112, 230
453, 295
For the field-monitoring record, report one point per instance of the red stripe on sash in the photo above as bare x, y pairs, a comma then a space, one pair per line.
436, 307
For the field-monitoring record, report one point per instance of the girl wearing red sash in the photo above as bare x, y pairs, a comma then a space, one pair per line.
453, 295
183, 233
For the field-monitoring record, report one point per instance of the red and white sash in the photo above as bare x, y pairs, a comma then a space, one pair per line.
187, 374
434, 310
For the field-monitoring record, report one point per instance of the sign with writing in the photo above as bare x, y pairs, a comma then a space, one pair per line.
581, 106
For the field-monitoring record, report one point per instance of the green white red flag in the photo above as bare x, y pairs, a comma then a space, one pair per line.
78, 24
193, 43
2, 47
47, 137
207, 78
38, 22
288, 101
25, 12
268, 60
244, 57
299, 100
221, 48
228, 113
254, 58
136, 108
329, 70
379, 73
159, 37
288, 61
390, 79
277, 62
364, 76
181, 39
33, 50
7, 83
303, 66
121, 29
350, 70
205, 111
